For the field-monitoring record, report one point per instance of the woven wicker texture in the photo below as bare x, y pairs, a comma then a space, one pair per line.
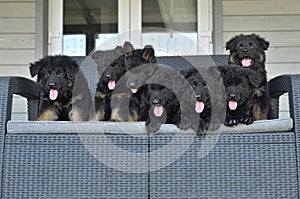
59, 165
238, 169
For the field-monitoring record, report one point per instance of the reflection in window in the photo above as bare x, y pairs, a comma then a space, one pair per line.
170, 26
176, 15
89, 18
74, 45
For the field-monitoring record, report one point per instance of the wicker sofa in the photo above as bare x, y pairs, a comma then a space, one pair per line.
102, 160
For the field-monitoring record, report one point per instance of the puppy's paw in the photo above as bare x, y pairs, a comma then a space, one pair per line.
185, 123
247, 120
201, 128
231, 122
152, 126
213, 125
201, 131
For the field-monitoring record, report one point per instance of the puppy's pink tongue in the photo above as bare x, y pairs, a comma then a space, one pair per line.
232, 105
158, 111
246, 62
199, 107
53, 94
111, 84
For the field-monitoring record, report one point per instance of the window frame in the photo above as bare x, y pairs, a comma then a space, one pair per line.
129, 18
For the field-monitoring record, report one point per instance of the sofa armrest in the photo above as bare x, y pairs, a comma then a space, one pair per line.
20, 86
286, 84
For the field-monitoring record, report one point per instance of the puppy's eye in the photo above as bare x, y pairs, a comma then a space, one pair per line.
58, 73
48, 73
240, 45
252, 45
229, 82
239, 83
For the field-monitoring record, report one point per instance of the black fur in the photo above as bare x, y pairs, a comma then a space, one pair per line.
163, 108
132, 59
200, 103
122, 59
238, 88
56, 77
111, 67
248, 51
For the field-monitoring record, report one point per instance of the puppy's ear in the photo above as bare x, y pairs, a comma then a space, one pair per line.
152, 70
261, 41
71, 70
97, 54
119, 50
230, 45
265, 44
128, 48
254, 79
222, 69
35, 68
148, 54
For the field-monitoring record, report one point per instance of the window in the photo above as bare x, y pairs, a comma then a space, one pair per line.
87, 21
76, 27
171, 26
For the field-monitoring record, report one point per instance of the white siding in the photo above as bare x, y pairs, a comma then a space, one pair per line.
17, 44
278, 22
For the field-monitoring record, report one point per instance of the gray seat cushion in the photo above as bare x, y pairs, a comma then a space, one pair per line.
276, 125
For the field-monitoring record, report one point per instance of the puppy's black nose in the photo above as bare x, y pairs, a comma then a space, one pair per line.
155, 101
131, 84
198, 96
51, 84
245, 50
232, 95
107, 76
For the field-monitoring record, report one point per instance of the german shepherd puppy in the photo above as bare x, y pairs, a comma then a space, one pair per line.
62, 98
132, 59
239, 83
248, 51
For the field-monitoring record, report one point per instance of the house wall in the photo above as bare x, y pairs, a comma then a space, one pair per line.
17, 43
278, 22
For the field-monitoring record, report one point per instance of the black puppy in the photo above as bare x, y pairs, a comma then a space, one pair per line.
207, 92
62, 98
140, 79
137, 80
248, 51
199, 103
164, 108
137, 57
239, 84
132, 59
111, 67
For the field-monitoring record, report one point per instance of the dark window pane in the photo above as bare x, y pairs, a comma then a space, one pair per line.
89, 18
176, 15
